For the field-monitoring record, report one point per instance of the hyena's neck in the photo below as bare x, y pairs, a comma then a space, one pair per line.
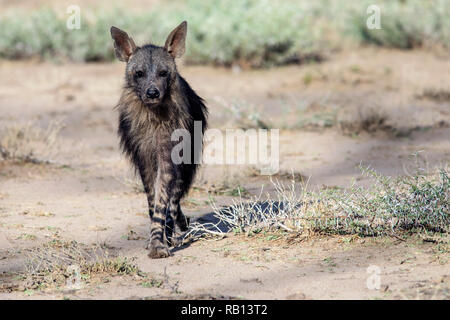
172, 112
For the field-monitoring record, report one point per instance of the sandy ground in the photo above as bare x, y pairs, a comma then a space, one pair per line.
86, 192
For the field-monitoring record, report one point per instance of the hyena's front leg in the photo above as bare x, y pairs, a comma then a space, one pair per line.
151, 207
150, 192
158, 245
148, 181
175, 208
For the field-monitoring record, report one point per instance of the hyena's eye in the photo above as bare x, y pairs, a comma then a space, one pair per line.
139, 74
163, 73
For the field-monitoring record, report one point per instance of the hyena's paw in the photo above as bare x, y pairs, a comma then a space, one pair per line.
158, 250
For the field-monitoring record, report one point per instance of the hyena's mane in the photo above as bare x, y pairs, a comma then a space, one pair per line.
182, 107
198, 112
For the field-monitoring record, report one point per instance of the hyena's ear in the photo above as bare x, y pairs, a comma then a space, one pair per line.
175, 43
123, 45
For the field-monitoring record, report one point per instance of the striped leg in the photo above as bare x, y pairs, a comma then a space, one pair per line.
147, 177
170, 228
175, 213
158, 246
181, 220
151, 201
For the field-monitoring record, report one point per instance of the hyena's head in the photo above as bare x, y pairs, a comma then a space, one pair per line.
150, 70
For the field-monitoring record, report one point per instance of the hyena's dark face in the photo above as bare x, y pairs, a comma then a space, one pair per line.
150, 69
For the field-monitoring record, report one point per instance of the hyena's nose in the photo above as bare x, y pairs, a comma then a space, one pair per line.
152, 93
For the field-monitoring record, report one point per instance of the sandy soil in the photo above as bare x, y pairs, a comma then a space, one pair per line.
86, 193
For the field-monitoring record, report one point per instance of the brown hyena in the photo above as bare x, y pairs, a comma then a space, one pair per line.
156, 100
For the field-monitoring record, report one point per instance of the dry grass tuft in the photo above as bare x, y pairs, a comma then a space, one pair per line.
438, 95
63, 264
362, 119
417, 203
26, 142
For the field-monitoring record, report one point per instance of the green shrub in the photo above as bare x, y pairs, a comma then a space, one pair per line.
249, 32
416, 203
404, 24
253, 32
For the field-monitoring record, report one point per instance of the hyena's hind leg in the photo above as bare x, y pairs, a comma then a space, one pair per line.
169, 229
175, 215
181, 220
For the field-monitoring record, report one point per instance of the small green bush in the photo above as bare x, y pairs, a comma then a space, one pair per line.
404, 24
417, 203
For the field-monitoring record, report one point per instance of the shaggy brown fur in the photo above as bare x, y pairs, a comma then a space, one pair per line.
155, 101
